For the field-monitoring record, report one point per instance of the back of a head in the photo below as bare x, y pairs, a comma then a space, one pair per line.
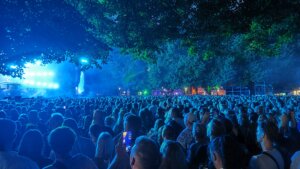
71, 123
13, 114
228, 150
7, 133
228, 125
31, 143
56, 120
61, 140
146, 153
215, 128
132, 123
175, 113
199, 131
173, 156
33, 116
147, 118
104, 147
176, 127
168, 132
109, 121
189, 119
98, 117
95, 130
3, 114
270, 129
44, 115
158, 123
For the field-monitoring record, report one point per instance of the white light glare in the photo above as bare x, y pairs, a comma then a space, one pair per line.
55, 86
13, 66
41, 84
39, 74
50, 74
38, 62
84, 60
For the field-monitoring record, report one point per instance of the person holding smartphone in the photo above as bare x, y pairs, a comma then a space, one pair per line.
125, 140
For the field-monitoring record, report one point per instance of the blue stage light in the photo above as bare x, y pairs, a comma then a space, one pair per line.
13, 66
50, 74
45, 84
31, 83
38, 62
26, 82
80, 87
40, 76
49, 86
84, 60
55, 86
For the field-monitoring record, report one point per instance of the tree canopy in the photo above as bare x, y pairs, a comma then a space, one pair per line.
50, 31
215, 41
142, 27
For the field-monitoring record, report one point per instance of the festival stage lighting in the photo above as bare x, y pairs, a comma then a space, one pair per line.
50, 74
31, 83
84, 60
42, 80
80, 87
41, 84
145, 92
40, 74
26, 82
49, 86
26, 65
185, 89
38, 62
35, 64
55, 86
27, 74
13, 66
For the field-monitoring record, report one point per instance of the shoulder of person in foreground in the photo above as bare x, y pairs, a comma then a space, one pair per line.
295, 160
254, 162
262, 161
80, 161
20, 162
49, 167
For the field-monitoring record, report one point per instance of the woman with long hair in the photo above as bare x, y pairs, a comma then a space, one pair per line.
104, 150
31, 146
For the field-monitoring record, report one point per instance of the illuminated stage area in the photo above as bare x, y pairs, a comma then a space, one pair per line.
39, 77
40, 80
63, 80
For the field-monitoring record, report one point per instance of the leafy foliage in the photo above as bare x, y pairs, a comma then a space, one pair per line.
185, 42
142, 27
176, 68
47, 30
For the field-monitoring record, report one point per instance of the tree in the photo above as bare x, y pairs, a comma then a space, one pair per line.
46, 30
176, 69
216, 41
142, 27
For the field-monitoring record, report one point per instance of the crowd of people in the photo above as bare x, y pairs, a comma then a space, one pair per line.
180, 132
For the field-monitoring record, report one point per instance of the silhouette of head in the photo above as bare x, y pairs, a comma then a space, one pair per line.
61, 140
